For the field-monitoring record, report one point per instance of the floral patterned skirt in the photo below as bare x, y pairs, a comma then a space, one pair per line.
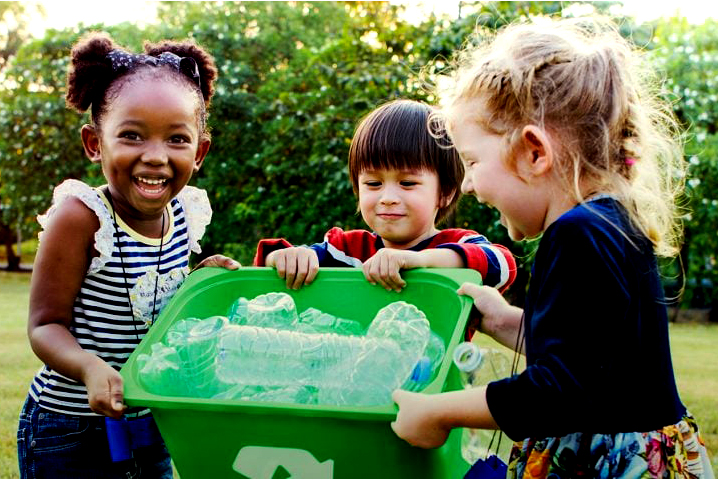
675, 451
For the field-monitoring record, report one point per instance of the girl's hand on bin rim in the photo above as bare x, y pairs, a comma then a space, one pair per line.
104, 389
500, 320
490, 303
297, 265
419, 420
218, 260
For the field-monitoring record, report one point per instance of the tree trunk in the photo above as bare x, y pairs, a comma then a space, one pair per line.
7, 238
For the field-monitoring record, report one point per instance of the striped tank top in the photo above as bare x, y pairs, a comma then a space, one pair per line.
114, 307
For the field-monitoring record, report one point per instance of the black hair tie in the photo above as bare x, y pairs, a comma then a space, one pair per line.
188, 66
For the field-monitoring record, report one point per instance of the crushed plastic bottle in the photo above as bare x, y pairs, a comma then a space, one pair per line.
275, 309
177, 334
479, 366
160, 371
344, 369
428, 364
286, 394
314, 320
186, 366
405, 324
237, 313
264, 352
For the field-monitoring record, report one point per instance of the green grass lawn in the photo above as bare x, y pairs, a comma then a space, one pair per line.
17, 364
694, 356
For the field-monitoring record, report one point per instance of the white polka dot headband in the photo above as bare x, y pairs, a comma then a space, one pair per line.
123, 61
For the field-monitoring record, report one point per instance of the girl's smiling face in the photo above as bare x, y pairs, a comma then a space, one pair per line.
149, 145
399, 205
489, 177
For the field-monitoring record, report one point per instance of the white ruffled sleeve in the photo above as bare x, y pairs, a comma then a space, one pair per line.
198, 214
104, 236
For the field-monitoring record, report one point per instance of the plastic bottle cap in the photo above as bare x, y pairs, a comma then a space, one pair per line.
422, 370
467, 356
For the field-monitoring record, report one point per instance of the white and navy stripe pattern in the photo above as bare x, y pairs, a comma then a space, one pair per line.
102, 320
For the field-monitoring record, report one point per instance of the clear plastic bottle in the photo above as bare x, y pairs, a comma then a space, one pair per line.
287, 394
216, 358
160, 371
237, 313
186, 365
428, 364
479, 366
274, 309
314, 320
344, 370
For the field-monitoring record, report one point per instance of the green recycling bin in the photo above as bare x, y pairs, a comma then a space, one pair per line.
210, 438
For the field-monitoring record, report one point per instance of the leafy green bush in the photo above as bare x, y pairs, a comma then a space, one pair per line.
689, 56
295, 79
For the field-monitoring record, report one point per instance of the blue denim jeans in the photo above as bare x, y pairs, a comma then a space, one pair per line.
55, 445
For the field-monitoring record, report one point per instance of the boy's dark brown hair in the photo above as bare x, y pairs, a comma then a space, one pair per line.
92, 82
396, 136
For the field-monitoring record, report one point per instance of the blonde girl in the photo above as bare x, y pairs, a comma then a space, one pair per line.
560, 129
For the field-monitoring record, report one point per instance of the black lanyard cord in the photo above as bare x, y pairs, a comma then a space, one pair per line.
124, 271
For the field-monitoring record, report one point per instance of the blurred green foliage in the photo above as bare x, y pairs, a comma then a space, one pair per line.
294, 80
689, 56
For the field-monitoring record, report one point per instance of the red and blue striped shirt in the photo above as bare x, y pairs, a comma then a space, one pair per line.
494, 262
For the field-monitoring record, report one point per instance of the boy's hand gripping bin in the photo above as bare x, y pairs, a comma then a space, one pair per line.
211, 438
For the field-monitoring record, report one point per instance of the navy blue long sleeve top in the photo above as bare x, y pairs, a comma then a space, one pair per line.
597, 348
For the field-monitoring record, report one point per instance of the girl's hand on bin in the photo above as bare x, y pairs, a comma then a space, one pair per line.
500, 320
419, 421
218, 260
104, 389
297, 265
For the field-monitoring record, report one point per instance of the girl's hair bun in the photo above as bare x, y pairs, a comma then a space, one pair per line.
205, 62
90, 71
